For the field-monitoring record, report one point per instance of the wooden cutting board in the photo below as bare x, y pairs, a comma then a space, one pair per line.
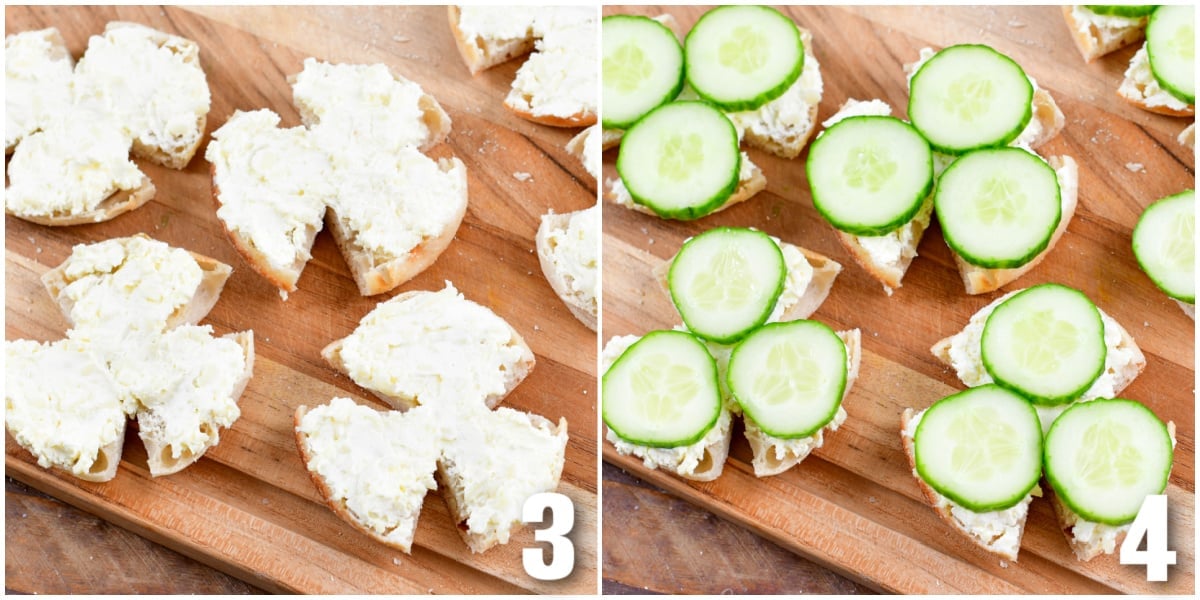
249, 508
854, 505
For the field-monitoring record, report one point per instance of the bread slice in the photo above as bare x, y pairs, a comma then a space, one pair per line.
433, 348
483, 52
493, 461
750, 182
76, 170
773, 455
809, 279
62, 408
784, 125
1141, 89
371, 468
1089, 539
170, 80
1123, 362
270, 187
703, 460
586, 147
1097, 35
187, 385
568, 247
1188, 309
37, 76
998, 532
393, 215
980, 280
1187, 137
354, 110
96, 274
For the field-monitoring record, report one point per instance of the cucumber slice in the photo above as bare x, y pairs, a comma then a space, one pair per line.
681, 160
742, 57
725, 282
1171, 44
870, 174
789, 377
968, 97
662, 391
998, 208
1045, 343
1105, 456
1164, 242
1123, 10
981, 448
642, 66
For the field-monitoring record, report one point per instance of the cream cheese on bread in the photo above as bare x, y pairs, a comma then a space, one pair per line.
37, 81
559, 78
354, 110
785, 121
795, 284
519, 22
575, 253
1141, 86
434, 346
493, 461
70, 167
150, 82
1107, 28
379, 465
586, 147
273, 184
999, 530
619, 194
60, 405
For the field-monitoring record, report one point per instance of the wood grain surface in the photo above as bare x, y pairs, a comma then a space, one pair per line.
854, 505
248, 508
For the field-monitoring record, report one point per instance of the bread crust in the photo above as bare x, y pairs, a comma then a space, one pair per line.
338, 507
579, 119
1090, 44
1188, 309
477, 53
119, 203
889, 276
1187, 137
376, 275
980, 280
764, 461
284, 278
156, 450
214, 274
931, 496
516, 373
554, 277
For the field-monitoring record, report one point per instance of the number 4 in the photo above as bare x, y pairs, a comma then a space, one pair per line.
1151, 525
562, 513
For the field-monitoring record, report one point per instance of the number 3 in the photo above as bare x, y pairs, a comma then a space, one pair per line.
1151, 525
562, 513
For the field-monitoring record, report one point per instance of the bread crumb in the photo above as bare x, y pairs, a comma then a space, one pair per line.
265, 501
1135, 167
38, 250
1145, 323
872, 499
283, 295
522, 176
1015, 24
396, 561
1004, 564
403, 40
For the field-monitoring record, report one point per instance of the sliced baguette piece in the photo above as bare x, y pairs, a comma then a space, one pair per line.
980, 280
998, 532
1187, 137
484, 52
702, 461
586, 147
1096, 35
270, 187
492, 462
97, 278
1089, 539
393, 215
433, 348
568, 247
353, 110
187, 384
1141, 89
62, 408
75, 171
1123, 362
750, 182
557, 84
773, 455
37, 76
350, 451
784, 125
810, 277
169, 80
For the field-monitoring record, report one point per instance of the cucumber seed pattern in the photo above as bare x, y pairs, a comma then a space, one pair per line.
627, 68
1106, 459
1178, 249
869, 166
791, 375
681, 156
665, 388
744, 50
983, 444
1000, 201
729, 283
969, 97
1043, 341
